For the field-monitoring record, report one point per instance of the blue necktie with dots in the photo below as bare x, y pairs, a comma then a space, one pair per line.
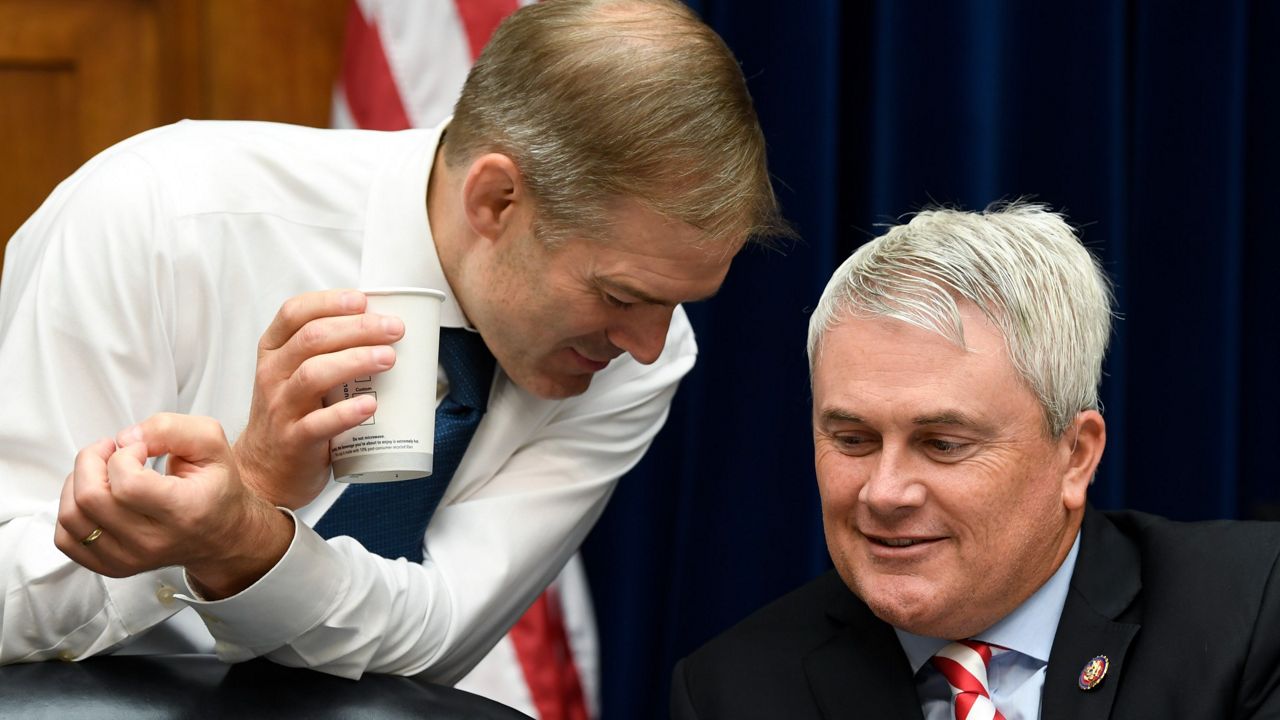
391, 518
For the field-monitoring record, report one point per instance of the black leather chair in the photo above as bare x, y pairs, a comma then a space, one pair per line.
199, 686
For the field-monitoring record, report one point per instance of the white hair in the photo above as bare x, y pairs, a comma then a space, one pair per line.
1020, 264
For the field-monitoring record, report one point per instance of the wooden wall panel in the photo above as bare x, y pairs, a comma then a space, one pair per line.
77, 76
274, 60
46, 117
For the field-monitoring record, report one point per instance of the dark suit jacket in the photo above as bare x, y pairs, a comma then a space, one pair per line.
1188, 614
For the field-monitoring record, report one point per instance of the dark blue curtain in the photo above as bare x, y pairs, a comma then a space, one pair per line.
1153, 125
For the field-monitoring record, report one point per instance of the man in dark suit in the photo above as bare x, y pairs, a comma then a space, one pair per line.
955, 365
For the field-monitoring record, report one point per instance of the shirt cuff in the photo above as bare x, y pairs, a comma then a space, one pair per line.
146, 599
292, 598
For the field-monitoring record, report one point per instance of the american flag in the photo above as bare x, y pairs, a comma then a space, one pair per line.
404, 62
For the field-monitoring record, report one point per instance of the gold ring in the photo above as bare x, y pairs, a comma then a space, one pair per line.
97, 533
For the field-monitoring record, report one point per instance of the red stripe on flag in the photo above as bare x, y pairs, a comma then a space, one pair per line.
480, 18
367, 81
547, 660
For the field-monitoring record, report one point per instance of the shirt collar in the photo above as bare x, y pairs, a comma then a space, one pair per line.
399, 249
1029, 629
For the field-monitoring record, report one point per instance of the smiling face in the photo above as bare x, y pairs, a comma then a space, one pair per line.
554, 316
946, 503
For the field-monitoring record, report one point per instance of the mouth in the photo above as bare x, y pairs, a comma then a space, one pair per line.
900, 544
587, 363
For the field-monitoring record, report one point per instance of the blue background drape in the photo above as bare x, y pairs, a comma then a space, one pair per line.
1152, 125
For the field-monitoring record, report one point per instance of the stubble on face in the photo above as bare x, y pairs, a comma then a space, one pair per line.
549, 312
527, 316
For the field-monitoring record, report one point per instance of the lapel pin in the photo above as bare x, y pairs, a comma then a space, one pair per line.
1093, 672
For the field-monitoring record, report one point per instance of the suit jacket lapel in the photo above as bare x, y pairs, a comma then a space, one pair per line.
1103, 585
861, 671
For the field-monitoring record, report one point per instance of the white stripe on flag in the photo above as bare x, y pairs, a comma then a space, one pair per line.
580, 626
426, 48
340, 113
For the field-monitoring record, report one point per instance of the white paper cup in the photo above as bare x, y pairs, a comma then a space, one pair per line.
398, 442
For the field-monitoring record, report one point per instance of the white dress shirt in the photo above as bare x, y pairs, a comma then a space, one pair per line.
1015, 676
143, 283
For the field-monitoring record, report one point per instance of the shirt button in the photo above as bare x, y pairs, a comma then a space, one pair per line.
165, 595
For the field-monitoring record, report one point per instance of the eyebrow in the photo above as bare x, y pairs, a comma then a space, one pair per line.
958, 419
947, 417
836, 415
642, 296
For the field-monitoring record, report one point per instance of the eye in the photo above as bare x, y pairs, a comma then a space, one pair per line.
853, 443
944, 449
615, 302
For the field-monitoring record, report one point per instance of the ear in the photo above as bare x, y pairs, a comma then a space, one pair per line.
493, 195
1083, 443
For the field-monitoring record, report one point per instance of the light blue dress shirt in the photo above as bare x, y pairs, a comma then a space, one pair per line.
1016, 676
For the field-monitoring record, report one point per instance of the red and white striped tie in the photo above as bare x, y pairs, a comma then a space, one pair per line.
964, 665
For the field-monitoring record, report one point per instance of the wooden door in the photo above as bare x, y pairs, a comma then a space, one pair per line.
77, 76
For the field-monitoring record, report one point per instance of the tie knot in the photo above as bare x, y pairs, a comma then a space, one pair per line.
469, 365
964, 665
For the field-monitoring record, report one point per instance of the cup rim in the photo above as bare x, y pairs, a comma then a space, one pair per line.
393, 290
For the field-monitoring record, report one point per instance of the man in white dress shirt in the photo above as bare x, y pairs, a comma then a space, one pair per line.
603, 166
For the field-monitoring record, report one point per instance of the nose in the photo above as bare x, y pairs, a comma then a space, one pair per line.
893, 484
642, 332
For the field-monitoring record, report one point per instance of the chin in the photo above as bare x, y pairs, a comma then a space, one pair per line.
912, 618
548, 383
909, 603
929, 617
556, 388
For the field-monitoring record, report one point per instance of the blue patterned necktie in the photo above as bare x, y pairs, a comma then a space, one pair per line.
391, 518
